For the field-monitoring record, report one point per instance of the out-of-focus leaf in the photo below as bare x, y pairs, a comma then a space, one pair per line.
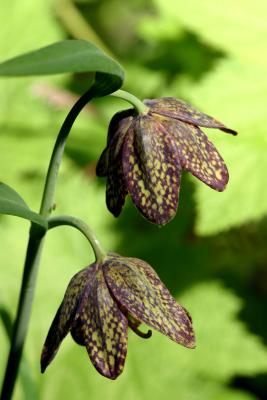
35, 19
166, 28
241, 104
155, 368
234, 92
66, 56
12, 204
28, 385
239, 27
158, 366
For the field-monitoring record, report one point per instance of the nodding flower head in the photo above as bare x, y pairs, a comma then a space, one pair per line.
146, 153
106, 298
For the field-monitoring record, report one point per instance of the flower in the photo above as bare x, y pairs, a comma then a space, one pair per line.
102, 300
146, 154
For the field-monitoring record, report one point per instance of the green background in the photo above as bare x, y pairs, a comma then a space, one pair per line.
212, 256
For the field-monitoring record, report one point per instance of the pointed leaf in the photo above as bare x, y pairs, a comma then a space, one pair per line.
12, 204
67, 56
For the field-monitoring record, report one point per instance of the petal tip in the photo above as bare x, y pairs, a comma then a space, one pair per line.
109, 372
228, 130
191, 344
43, 369
44, 362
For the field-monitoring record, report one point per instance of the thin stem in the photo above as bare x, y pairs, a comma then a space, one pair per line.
83, 228
140, 107
51, 178
34, 249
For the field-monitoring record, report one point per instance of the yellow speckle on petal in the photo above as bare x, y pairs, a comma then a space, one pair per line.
111, 360
218, 174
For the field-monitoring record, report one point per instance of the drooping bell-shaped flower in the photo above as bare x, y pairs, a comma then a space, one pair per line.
146, 153
102, 300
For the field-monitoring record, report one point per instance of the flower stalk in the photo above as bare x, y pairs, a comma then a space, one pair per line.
34, 250
77, 223
139, 106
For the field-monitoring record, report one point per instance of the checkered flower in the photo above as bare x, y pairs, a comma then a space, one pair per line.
146, 154
105, 298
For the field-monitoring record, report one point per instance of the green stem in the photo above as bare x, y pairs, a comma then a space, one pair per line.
34, 249
83, 228
52, 174
140, 107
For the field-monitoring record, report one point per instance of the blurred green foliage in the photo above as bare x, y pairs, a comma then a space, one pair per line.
213, 256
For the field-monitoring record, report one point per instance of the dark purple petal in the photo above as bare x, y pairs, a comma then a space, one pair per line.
102, 164
178, 109
102, 328
66, 315
137, 287
197, 154
77, 333
117, 128
119, 124
116, 189
152, 170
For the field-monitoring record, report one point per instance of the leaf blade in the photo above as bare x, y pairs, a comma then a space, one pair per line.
65, 56
11, 203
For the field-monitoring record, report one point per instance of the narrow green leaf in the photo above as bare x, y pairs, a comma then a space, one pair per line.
67, 56
12, 204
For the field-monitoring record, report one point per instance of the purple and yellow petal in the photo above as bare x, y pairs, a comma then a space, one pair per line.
138, 289
102, 327
198, 155
178, 109
66, 315
151, 170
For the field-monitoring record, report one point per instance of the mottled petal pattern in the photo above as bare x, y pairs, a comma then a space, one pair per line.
66, 316
106, 298
152, 170
178, 109
102, 328
147, 152
136, 286
198, 155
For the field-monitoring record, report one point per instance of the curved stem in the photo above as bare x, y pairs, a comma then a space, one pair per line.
83, 228
51, 178
140, 107
34, 250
